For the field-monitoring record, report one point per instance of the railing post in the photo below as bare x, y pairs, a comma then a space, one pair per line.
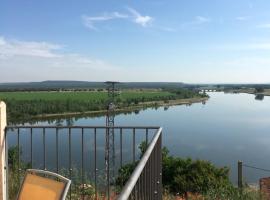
3, 123
240, 174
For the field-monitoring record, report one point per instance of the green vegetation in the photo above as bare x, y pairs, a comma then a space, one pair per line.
15, 171
259, 89
26, 105
201, 178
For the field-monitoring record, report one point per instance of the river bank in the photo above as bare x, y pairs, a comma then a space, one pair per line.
266, 92
141, 105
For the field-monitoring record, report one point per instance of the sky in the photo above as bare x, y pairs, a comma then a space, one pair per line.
191, 41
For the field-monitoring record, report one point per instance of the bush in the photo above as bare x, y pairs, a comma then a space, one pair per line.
182, 176
259, 89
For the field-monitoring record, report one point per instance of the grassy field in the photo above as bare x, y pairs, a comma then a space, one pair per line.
22, 106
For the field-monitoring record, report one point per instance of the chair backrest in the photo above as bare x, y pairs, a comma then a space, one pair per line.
43, 185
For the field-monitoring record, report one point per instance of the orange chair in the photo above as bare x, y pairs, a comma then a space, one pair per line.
43, 185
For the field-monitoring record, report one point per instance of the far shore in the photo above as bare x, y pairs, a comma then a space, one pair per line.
249, 91
188, 101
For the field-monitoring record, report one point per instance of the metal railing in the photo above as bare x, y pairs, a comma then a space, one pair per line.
144, 183
146, 180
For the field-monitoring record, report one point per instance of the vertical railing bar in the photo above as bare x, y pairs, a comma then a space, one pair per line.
136, 190
6, 163
44, 150
133, 194
69, 144
57, 152
133, 145
31, 132
108, 164
154, 173
19, 152
155, 170
160, 164
121, 154
146, 137
140, 186
121, 147
144, 182
152, 176
159, 167
113, 157
82, 163
148, 179
95, 155
146, 188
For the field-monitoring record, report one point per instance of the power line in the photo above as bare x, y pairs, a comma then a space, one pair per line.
257, 168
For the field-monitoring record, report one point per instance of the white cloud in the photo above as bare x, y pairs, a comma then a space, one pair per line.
21, 48
243, 18
248, 46
259, 46
140, 19
248, 62
90, 21
28, 60
201, 20
266, 25
197, 22
164, 28
135, 16
2, 41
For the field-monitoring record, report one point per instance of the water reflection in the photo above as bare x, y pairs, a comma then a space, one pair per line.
259, 97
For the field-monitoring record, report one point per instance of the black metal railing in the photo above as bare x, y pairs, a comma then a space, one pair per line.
146, 180
78, 152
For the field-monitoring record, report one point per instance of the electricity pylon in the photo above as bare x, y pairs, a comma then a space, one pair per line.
109, 146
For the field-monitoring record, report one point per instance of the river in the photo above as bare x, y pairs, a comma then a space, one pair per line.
228, 128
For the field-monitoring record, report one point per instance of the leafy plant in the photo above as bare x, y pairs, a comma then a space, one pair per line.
182, 176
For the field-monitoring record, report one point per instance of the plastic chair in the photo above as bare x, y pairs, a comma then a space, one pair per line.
43, 185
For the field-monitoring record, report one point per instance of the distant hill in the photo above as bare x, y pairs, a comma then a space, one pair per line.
56, 85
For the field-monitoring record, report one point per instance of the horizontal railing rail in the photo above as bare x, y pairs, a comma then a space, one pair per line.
35, 141
90, 127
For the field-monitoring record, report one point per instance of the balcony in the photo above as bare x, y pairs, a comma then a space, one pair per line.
80, 154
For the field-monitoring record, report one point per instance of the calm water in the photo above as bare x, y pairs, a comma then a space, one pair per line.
228, 128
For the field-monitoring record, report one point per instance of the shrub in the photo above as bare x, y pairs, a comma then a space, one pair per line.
182, 176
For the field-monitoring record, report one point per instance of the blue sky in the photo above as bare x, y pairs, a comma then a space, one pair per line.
193, 41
